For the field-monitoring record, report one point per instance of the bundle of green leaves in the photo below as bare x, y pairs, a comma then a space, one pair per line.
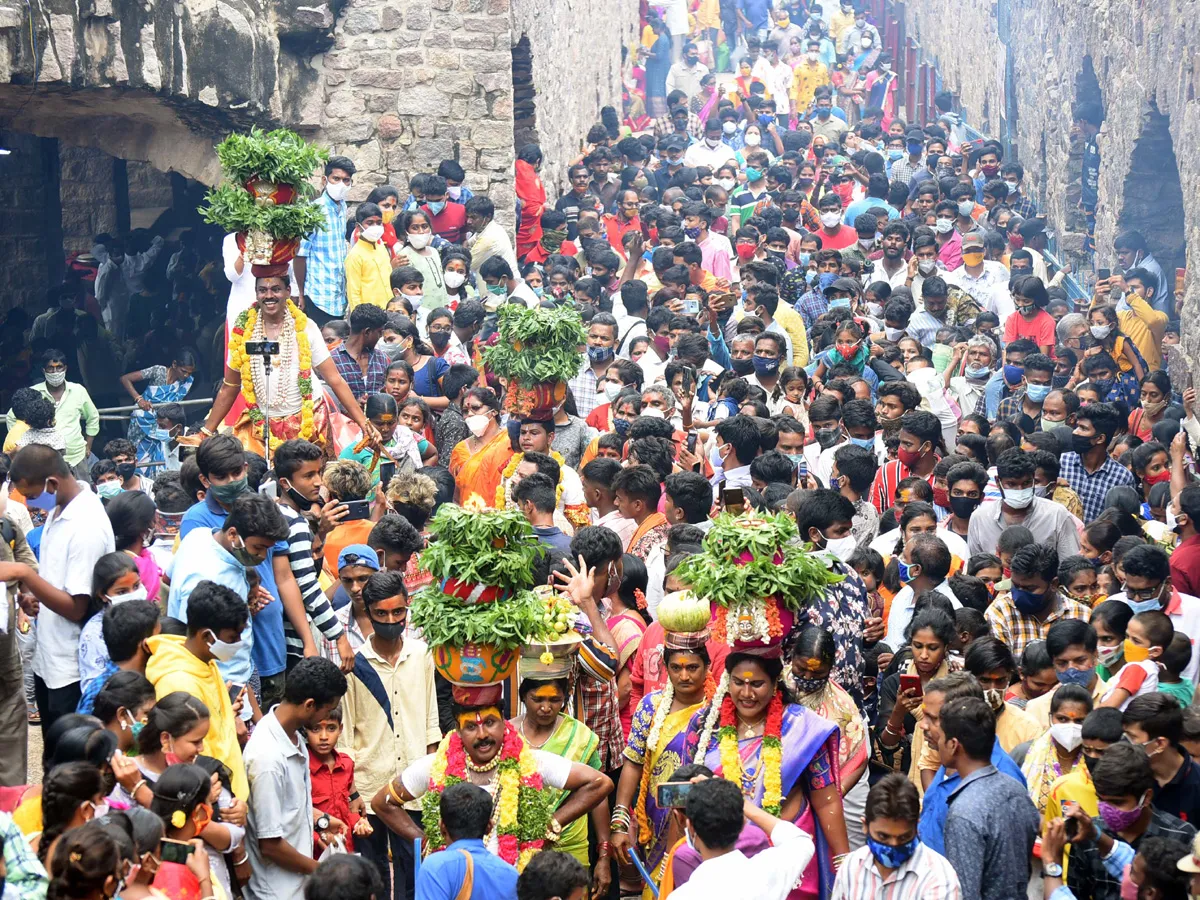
279, 156
446, 621
537, 345
233, 209
495, 547
753, 556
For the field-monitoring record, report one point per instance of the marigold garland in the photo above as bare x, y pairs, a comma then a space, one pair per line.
770, 757
645, 833
522, 813
504, 498
240, 361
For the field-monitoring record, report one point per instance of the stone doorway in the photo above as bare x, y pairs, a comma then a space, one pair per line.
1152, 197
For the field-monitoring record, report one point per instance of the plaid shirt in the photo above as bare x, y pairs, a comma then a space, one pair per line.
1023, 206
350, 370
663, 126
1017, 629
597, 693
1093, 487
1090, 875
811, 306
585, 387
1011, 407
324, 252
902, 170
27, 879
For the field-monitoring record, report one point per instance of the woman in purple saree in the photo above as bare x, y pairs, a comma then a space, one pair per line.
808, 791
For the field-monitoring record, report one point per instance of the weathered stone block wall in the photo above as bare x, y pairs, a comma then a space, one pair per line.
86, 183
1141, 52
26, 194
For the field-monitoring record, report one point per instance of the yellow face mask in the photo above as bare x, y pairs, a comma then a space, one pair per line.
972, 259
1134, 653
388, 216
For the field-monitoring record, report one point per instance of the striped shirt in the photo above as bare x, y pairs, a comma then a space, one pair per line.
324, 252
883, 489
926, 875
316, 604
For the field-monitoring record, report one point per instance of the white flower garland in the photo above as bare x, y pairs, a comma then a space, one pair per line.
714, 717
660, 716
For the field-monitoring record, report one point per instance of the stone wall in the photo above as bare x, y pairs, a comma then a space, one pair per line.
1141, 61
28, 198
86, 183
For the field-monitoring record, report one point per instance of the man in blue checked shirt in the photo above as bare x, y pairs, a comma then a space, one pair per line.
320, 264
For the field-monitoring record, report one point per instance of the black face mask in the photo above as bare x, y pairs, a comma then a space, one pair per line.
439, 339
742, 366
389, 631
964, 506
297, 498
125, 470
827, 437
1089, 762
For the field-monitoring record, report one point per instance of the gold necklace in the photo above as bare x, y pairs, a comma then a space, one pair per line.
486, 767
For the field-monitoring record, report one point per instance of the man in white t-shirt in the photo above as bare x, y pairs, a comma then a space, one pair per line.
76, 534
481, 734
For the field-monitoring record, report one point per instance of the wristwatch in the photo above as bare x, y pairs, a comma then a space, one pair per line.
1051, 870
323, 822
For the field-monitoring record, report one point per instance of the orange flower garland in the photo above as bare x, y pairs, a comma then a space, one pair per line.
770, 757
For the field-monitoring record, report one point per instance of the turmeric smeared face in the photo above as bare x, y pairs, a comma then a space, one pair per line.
482, 732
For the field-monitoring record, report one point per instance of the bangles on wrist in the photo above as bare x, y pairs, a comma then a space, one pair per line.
621, 820
604, 849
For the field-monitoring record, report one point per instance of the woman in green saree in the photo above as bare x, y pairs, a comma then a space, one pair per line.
545, 725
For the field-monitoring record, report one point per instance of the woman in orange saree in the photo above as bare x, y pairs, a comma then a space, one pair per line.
477, 462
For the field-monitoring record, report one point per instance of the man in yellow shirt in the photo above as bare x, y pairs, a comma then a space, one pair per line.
368, 264
841, 22
808, 75
1140, 322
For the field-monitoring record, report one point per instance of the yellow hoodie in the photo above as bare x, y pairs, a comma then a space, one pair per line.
172, 667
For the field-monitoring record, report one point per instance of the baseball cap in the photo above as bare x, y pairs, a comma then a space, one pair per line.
972, 241
1031, 227
844, 285
358, 555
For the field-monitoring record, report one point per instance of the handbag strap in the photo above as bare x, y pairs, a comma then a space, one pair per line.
464, 892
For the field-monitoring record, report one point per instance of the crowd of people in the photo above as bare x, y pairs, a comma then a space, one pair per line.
798, 307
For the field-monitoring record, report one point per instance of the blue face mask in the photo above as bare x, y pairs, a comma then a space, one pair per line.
437, 207
1081, 677
1154, 604
889, 856
825, 279
1037, 392
804, 258
798, 460
764, 367
906, 571
865, 443
1027, 601
1014, 374
913, 148
842, 302
977, 373
600, 354
621, 426
753, 174
894, 155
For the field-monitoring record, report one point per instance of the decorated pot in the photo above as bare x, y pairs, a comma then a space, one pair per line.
261, 249
469, 592
475, 664
268, 192
536, 402
753, 626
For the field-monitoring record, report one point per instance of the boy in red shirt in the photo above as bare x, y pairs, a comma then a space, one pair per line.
333, 781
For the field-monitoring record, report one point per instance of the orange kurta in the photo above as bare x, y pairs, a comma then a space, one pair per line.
479, 473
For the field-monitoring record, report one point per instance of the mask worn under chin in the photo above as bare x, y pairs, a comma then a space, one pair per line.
296, 497
226, 494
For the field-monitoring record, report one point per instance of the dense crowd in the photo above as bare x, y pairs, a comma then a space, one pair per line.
786, 312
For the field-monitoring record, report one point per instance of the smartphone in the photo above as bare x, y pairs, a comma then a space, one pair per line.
691, 306
735, 500
358, 509
175, 851
234, 690
386, 470
1070, 825
911, 683
673, 794
1102, 274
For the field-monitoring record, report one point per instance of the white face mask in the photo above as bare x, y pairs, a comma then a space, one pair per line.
1099, 332
223, 651
753, 140
455, 280
1013, 187
56, 379
893, 334
843, 548
814, 56
138, 593
729, 127
712, 143
926, 266
866, 42
372, 233
831, 219
966, 207
728, 183
1067, 735
477, 424
337, 190
419, 241
1018, 499
943, 226
453, 191
612, 391
885, 67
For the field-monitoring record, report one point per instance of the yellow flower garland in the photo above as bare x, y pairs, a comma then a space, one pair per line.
504, 489
240, 361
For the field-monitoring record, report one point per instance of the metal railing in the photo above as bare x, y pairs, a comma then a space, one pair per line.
121, 413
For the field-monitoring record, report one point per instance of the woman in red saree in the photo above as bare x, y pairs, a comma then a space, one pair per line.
531, 198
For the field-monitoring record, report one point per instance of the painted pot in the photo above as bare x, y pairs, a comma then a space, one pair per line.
270, 192
469, 592
537, 402
475, 664
739, 628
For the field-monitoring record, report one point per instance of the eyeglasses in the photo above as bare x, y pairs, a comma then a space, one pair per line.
1144, 594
